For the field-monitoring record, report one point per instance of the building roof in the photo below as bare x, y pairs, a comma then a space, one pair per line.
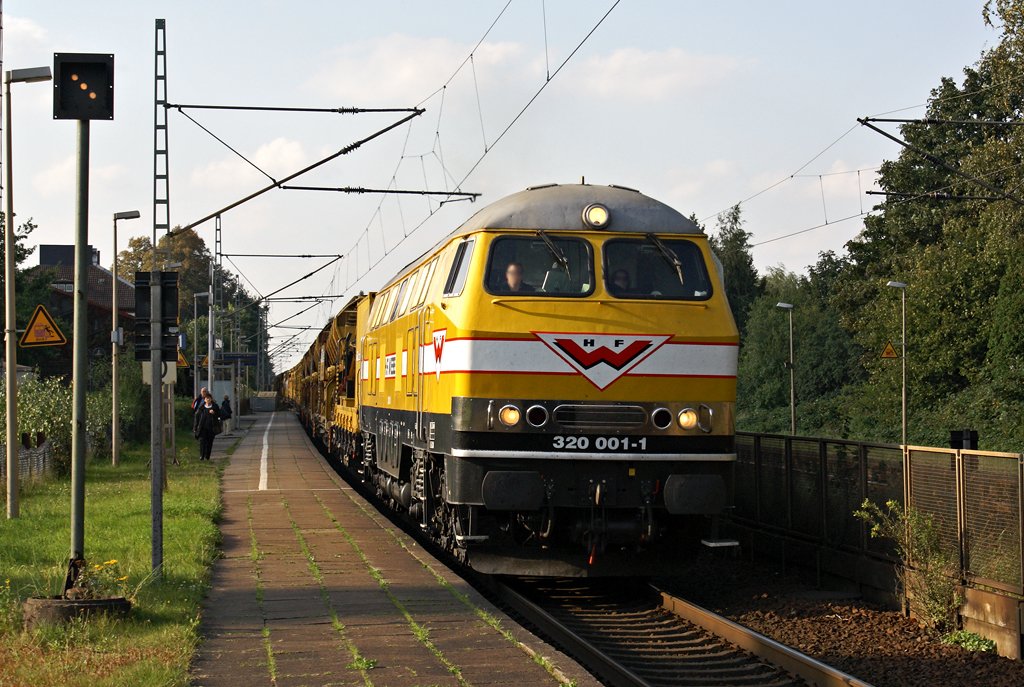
99, 285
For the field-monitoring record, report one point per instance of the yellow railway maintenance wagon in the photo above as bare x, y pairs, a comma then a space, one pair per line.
550, 390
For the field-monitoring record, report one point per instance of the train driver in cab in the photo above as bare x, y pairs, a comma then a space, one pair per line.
513, 282
620, 282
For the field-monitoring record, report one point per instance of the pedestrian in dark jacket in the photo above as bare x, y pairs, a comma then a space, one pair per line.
225, 410
204, 428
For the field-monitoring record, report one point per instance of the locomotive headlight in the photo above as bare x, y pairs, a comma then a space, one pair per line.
687, 418
509, 416
596, 216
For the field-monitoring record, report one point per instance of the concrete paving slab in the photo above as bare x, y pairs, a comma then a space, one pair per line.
313, 593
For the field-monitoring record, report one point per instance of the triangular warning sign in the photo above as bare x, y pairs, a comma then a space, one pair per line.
42, 330
206, 361
890, 351
181, 360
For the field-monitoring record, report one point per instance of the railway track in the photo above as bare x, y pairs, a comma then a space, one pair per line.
632, 634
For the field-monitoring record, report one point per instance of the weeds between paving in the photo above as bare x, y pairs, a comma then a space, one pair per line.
155, 644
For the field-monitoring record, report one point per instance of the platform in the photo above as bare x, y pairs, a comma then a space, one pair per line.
315, 587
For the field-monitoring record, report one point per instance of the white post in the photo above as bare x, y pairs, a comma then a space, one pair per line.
10, 322
209, 357
11, 327
904, 367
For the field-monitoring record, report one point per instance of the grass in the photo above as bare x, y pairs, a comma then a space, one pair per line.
154, 645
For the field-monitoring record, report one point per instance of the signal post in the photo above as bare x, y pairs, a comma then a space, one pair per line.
83, 91
156, 314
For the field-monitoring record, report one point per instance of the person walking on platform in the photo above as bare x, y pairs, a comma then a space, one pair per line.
198, 400
206, 425
225, 411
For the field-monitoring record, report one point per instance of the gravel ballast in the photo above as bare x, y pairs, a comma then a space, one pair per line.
874, 644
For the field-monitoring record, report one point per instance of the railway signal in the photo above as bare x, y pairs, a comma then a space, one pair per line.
83, 87
168, 344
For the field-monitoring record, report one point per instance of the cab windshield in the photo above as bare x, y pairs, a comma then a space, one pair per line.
541, 265
652, 268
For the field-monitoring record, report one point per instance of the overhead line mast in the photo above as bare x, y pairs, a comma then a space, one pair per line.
941, 163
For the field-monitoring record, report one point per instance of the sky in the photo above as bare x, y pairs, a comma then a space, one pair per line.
699, 105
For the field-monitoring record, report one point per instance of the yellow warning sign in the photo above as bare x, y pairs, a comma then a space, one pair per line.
206, 361
890, 351
42, 330
181, 360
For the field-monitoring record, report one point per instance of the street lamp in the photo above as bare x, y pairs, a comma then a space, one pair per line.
11, 327
195, 340
116, 340
903, 288
792, 386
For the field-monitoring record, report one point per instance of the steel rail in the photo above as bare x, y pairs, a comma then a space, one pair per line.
581, 649
811, 670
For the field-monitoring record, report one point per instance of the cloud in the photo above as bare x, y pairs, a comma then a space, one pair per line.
690, 182
401, 70
59, 179
21, 30
277, 158
632, 73
56, 178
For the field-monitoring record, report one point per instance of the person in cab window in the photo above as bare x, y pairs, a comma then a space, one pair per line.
514, 279
620, 282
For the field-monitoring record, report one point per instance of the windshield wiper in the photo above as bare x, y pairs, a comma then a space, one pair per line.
559, 255
669, 255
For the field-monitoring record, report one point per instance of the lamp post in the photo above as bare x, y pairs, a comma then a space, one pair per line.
116, 340
210, 331
195, 339
792, 385
11, 326
903, 288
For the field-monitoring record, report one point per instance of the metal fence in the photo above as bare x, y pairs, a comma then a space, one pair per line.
32, 462
975, 499
809, 488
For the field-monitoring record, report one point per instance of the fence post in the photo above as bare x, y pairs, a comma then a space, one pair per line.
757, 479
862, 478
788, 462
823, 477
1020, 515
907, 469
961, 511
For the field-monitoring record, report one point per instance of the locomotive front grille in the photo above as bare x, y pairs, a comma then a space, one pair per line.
600, 417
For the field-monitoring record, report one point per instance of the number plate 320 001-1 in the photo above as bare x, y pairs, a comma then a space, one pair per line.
580, 443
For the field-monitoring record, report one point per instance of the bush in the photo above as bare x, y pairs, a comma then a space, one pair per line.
971, 641
929, 573
183, 415
45, 406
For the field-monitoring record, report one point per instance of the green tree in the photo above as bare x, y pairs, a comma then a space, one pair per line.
732, 246
827, 360
960, 259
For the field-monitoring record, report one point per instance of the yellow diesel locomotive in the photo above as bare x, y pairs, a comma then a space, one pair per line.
548, 391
